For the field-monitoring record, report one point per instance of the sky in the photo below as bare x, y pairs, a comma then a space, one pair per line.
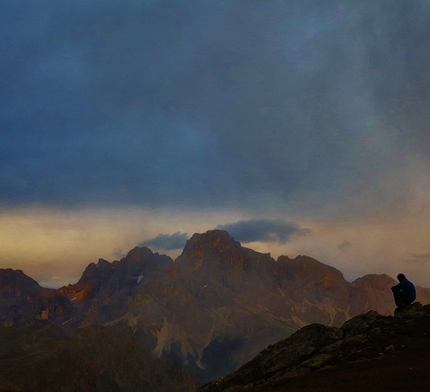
301, 127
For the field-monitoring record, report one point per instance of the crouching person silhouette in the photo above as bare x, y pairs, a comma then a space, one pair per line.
404, 292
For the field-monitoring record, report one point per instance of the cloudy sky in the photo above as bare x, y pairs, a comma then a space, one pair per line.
299, 126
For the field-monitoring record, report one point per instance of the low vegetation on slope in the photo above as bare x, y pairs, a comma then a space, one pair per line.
96, 358
318, 357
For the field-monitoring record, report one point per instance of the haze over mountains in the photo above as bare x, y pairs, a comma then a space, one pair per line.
210, 311
299, 127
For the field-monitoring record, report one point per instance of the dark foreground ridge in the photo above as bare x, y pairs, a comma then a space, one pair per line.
209, 312
92, 359
369, 352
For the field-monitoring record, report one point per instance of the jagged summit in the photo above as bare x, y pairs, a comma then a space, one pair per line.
307, 267
104, 288
372, 291
138, 260
376, 280
218, 304
16, 280
219, 240
139, 253
24, 302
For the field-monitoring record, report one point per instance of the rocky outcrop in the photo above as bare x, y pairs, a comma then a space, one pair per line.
364, 338
286, 358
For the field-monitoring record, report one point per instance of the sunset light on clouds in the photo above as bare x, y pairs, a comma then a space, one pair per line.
301, 127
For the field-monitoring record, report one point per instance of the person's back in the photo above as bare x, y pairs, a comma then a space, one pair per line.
404, 292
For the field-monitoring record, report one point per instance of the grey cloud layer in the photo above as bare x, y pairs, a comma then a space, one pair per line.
190, 104
166, 241
264, 230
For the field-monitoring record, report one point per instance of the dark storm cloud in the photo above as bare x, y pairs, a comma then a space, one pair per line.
197, 103
263, 230
166, 241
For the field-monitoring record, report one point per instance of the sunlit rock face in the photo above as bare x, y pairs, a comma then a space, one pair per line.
102, 292
316, 292
23, 302
216, 306
219, 303
206, 310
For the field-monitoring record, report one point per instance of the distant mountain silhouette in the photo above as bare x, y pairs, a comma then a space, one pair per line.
104, 288
212, 309
24, 302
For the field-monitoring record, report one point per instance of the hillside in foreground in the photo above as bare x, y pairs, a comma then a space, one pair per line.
92, 359
369, 352
208, 312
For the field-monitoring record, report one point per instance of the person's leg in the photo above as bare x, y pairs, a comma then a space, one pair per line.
399, 298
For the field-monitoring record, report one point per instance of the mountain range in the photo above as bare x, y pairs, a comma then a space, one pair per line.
208, 312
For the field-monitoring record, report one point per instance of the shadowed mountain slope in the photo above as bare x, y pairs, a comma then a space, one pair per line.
49, 358
369, 352
218, 304
23, 302
101, 293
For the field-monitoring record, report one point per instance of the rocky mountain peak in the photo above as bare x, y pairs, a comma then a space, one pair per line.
16, 280
377, 281
96, 270
24, 302
213, 308
138, 254
306, 268
372, 291
216, 240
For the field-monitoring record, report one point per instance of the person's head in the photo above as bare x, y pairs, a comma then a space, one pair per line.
401, 277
